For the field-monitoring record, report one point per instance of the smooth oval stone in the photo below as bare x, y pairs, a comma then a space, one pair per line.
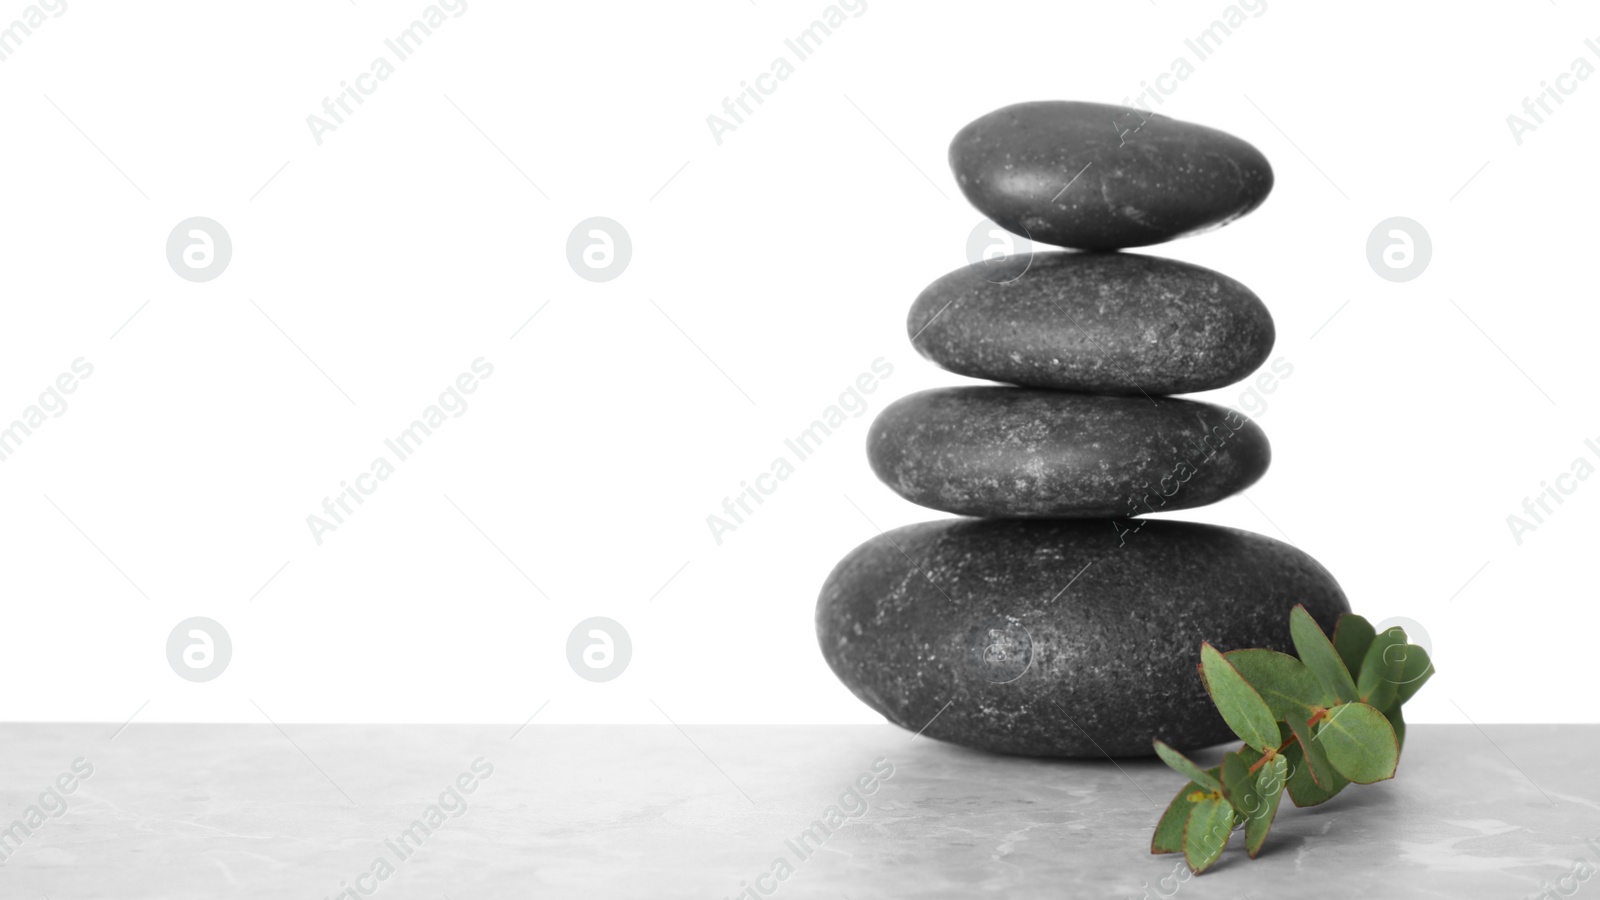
1110, 323
1005, 451
1100, 177
1059, 638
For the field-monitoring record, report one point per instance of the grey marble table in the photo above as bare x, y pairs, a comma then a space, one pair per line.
180, 811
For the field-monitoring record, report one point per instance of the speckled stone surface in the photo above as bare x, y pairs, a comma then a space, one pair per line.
1058, 638
1098, 177
1112, 323
236, 811
1006, 451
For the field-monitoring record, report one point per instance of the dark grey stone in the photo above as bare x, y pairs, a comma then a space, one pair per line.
1059, 638
1110, 323
1141, 178
1023, 452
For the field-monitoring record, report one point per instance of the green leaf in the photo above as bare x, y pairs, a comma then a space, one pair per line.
1206, 832
1316, 759
1335, 711
1398, 723
1283, 681
1242, 787
1381, 668
1359, 742
1351, 638
1169, 831
1414, 673
1247, 755
1270, 782
1319, 656
1241, 707
1238, 783
1304, 790
1185, 767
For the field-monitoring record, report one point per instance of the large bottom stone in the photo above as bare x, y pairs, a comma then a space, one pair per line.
1063, 638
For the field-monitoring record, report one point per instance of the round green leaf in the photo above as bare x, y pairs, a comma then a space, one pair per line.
1241, 707
1283, 681
1359, 742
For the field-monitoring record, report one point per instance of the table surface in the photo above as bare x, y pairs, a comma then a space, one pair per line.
198, 811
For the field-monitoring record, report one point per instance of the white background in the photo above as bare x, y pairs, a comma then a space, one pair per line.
406, 245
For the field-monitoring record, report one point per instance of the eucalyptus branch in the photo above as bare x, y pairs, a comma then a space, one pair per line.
1310, 726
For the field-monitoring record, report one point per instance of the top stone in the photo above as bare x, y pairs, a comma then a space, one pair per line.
1093, 176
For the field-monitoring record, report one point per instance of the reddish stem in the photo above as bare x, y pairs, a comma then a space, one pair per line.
1269, 755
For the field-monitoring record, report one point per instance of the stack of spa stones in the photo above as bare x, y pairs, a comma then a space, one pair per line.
1054, 620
